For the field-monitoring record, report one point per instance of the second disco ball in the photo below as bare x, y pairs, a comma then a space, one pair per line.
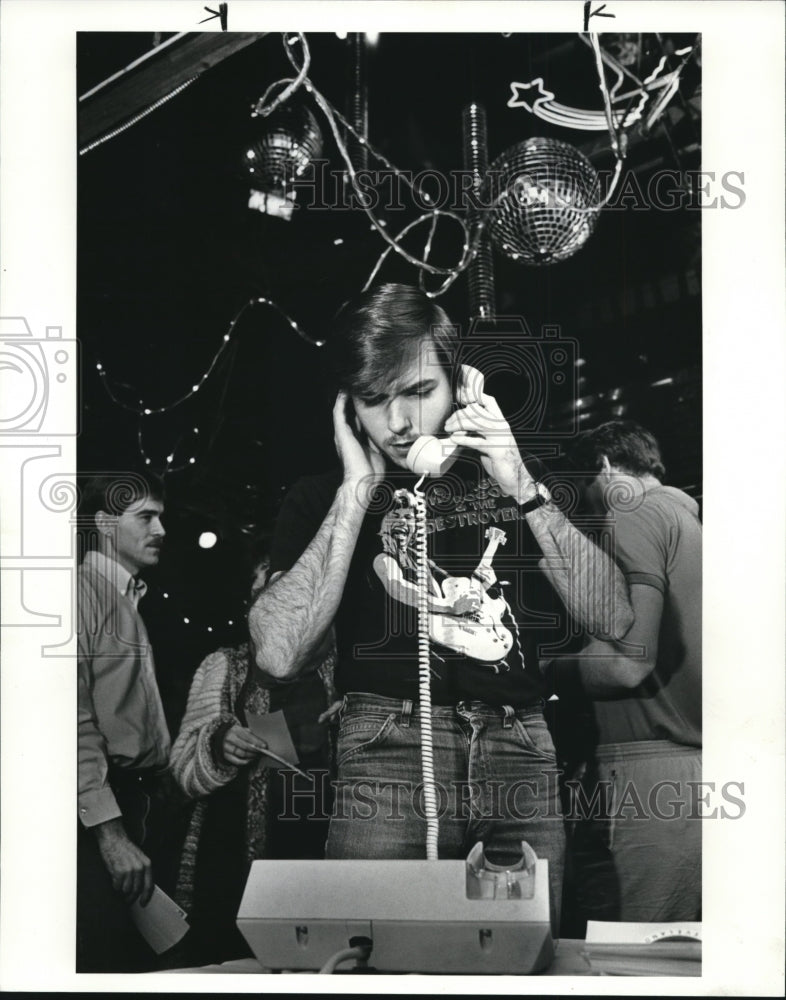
543, 198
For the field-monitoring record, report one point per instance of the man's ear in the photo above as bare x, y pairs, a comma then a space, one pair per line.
605, 467
105, 523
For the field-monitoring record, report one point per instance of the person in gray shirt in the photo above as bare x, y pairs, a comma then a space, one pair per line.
637, 846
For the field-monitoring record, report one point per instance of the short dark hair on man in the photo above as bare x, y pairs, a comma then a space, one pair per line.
115, 491
379, 334
627, 445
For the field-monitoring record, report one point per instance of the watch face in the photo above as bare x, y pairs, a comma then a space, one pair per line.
543, 492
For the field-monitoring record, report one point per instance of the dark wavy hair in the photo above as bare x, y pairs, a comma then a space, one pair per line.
114, 492
378, 334
627, 445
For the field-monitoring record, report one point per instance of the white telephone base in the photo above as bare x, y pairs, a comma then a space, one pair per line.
296, 915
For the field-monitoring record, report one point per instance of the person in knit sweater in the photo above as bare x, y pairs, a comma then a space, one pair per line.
242, 809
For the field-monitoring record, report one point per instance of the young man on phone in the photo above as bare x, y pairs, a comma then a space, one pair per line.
393, 360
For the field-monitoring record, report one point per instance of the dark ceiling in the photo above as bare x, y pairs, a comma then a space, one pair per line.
168, 252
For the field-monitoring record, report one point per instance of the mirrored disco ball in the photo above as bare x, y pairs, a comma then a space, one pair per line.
278, 150
544, 200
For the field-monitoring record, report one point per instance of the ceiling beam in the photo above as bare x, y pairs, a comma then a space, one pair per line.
148, 80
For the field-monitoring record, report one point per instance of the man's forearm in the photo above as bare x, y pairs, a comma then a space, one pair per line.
588, 581
290, 617
601, 670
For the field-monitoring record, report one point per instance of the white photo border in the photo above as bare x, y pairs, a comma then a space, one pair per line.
744, 323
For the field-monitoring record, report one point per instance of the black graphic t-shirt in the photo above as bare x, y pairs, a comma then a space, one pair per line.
489, 604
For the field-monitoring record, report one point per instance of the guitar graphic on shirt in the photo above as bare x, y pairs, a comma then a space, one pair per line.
478, 633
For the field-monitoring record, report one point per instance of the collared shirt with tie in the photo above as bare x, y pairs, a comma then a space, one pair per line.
121, 718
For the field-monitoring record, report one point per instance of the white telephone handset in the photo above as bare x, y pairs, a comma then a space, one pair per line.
432, 455
435, 455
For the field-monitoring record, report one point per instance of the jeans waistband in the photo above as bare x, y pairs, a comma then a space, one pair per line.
644, 748
405, 708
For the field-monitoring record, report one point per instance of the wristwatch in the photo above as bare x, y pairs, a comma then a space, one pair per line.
542, 496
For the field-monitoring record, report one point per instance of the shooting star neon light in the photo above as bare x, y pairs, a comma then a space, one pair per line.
542, 102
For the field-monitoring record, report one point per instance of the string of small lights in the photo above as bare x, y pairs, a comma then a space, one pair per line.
266, 107
188, 620
137, 117
263, 108
142, 410
229, 339
427, 216
170, 459
450, 274
615, 135
334, 118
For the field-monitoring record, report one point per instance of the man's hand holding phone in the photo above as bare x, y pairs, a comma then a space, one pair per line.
361, 459
479, 424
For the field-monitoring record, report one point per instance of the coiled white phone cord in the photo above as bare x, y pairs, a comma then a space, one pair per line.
424, 675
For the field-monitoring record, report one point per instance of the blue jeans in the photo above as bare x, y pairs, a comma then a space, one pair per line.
496, 776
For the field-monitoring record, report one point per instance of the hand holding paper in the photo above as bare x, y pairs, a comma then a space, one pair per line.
161, 922
241, 746
273, 730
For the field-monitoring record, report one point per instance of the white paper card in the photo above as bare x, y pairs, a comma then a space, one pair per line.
161, 923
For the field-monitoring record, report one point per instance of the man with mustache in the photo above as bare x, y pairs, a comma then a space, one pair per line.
123, 740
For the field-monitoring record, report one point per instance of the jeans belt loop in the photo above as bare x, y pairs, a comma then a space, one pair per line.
406, 711
510, 715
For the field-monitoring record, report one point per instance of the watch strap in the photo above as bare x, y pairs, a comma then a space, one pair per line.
542, 496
